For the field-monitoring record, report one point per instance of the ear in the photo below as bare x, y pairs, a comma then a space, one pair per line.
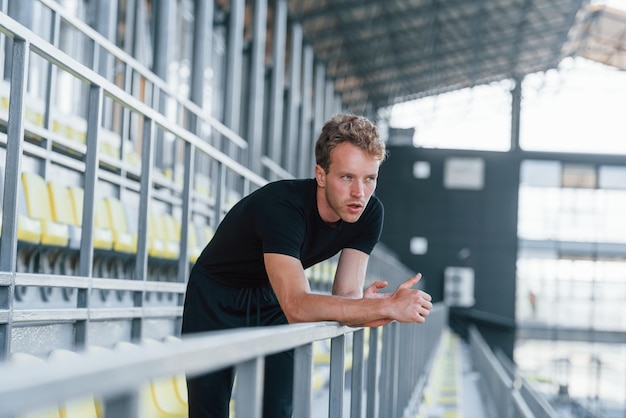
320, 176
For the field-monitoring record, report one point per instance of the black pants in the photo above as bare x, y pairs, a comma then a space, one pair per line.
211, 306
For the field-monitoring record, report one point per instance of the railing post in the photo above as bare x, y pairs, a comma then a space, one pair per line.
303, 372
15, 140
356, 378
372, 374
125, 405
249, 393
337, 376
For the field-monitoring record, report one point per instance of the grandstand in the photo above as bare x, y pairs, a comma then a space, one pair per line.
129, 128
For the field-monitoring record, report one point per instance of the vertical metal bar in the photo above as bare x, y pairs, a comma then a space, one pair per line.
318, 115
189, 169
249, 393
15, 140
256, 100
372, 374
85, 261
234, 60
55, 30
293, 99
277, 86
356, 383
220, 191
164, 14
516, 106
305, 162
145, 193
94, 116
303, 373
141, 267
329, 99
201, 57
125, 405
337, 376
395, 367
385, 373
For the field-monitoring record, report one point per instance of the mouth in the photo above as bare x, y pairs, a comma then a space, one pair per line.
355, 207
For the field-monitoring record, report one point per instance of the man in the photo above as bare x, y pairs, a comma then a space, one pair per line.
252, 271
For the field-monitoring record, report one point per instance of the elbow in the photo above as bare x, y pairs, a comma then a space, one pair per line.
294, 313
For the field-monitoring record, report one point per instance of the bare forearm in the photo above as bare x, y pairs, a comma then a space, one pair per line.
346, 310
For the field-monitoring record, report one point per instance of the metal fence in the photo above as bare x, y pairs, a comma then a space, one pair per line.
510, 395
396, 366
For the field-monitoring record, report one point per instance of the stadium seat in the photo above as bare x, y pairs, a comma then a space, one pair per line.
180, 381
171, 235
193, 246
123, 239
79, 408
102, 235
25, 359
63, 212
158, 398
38, 207
156, 236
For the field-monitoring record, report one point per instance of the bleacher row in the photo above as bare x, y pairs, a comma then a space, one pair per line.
49, 232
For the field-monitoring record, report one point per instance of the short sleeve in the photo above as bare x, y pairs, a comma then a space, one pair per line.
281, 227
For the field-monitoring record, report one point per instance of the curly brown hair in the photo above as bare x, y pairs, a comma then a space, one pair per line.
354, 129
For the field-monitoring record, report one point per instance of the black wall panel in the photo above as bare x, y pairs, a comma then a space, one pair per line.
473, 228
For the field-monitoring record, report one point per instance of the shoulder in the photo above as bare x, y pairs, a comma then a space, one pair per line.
281, 195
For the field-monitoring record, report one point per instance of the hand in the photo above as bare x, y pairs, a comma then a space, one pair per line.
372, 291
411, 305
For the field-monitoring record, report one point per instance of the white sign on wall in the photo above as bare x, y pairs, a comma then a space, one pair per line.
464, 173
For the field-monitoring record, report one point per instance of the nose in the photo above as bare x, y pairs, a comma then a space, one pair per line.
358, 189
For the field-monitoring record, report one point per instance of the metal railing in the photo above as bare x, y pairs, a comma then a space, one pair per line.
395, 363
511, 396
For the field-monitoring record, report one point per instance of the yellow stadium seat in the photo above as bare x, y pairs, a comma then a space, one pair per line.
62, 211
180, 381
38, 207
193, 245
123, 239
77, 408
156, 236
27, 360
102, 235
28, 230
171, 235
158, 398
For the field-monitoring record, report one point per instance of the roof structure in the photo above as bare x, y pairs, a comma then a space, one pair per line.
383, 52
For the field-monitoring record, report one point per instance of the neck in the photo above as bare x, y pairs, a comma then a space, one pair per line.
325, 211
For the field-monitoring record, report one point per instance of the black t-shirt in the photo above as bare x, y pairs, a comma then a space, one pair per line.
282, 217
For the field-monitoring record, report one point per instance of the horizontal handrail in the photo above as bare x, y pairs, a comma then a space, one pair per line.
511, 396
141, 69
112, 373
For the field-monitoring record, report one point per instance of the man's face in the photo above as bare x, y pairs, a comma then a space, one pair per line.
344, 191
